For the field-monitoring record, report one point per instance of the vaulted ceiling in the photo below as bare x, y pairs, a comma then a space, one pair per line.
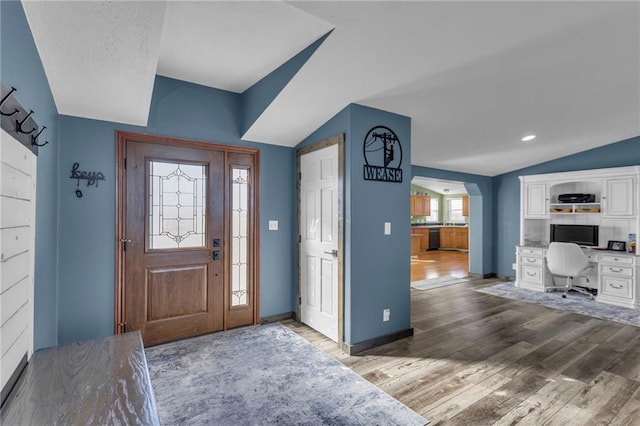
475, 77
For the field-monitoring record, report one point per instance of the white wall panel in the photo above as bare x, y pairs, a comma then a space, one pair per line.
13, 270
14, 183
13, 298
17, 242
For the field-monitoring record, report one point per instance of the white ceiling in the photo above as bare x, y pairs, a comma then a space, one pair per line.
232, 45
100, 57
473, 76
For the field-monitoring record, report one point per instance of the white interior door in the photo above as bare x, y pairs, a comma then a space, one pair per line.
319, 240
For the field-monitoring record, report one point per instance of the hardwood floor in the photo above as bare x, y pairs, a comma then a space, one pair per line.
437, 263
480, 359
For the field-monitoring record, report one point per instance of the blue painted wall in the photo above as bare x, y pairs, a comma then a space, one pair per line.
380, 270
20, 67
87, 224
481, 224
377, 273
507, 189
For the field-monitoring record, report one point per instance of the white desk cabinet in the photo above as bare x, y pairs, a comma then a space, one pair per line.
532, 272
615, 276
613, 205
618, 197
618, 280
536, 201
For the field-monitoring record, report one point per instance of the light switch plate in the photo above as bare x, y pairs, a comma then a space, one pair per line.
273, 225
387, 228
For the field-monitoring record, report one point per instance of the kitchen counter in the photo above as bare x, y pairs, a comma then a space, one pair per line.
439, 226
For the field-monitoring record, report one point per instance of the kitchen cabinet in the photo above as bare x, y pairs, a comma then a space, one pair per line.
461, 238
453, 237
446, 237
415, 244
465, 205
424, 240
420, 205
424, 237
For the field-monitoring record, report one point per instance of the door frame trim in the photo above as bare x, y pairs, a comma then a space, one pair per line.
122, 137
334, 140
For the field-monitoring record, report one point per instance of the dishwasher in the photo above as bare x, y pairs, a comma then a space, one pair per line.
434, 238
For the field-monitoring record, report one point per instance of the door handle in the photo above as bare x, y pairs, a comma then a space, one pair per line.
333, 253
216, 255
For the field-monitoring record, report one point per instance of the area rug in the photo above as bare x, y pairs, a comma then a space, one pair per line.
438, 282
575, 302
264, 375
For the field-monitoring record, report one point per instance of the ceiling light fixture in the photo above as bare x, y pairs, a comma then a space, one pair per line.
528, 138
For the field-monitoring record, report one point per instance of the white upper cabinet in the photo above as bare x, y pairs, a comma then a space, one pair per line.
536, 201
608, 198
619, 197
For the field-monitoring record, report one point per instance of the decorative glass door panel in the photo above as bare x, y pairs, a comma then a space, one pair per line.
239, 247
177, 205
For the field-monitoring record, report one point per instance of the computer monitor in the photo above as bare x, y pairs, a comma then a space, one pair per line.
583, 235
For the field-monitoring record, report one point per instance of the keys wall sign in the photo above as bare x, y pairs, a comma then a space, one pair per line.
92, 178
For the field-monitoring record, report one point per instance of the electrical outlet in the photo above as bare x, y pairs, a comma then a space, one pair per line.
514, 266
386, 314
273, 225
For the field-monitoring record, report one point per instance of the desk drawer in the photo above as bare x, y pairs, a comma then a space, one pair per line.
526, 251
616, 287
531, 274
615, 270
532, 261
607, 258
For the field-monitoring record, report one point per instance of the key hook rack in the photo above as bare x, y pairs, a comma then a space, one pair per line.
15, 110
24, 130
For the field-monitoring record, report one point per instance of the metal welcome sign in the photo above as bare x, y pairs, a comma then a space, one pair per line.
382, 155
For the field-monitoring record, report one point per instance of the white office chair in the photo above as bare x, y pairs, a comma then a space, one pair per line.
568, 260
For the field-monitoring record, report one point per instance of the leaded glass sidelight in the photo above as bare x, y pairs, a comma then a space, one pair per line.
177, 205
239, 246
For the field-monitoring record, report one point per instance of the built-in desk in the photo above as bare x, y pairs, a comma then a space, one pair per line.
614, 274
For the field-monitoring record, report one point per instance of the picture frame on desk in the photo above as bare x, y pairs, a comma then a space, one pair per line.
617, 246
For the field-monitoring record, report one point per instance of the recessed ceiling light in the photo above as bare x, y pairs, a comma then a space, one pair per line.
528, 138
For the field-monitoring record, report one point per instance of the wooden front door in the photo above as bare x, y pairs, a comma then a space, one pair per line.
187, 239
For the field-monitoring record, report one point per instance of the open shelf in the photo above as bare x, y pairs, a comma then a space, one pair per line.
574, 208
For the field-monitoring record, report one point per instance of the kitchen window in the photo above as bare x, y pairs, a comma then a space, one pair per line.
435, 210
454, 210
